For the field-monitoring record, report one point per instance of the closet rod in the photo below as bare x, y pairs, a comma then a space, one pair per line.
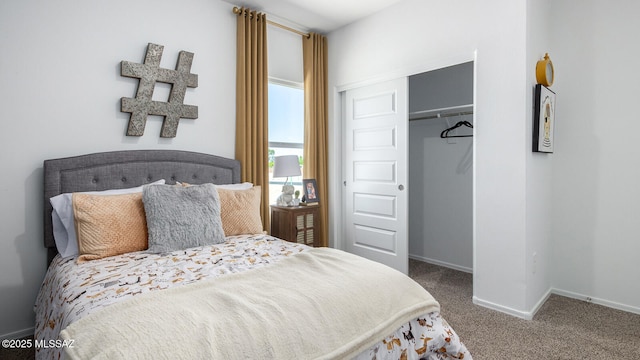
237, 11
442, 115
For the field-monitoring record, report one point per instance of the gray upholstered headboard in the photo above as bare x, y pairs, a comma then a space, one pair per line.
125, 169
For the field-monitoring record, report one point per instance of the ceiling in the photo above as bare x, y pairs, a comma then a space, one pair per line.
322, 16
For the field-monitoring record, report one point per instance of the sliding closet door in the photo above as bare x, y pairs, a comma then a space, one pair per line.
376, 173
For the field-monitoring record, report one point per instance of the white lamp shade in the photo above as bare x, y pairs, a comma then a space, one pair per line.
286, 165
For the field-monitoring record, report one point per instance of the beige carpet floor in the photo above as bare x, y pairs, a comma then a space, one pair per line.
562, 329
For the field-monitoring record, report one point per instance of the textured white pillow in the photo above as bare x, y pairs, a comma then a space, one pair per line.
64, 228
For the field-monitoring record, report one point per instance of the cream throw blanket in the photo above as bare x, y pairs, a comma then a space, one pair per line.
319, 304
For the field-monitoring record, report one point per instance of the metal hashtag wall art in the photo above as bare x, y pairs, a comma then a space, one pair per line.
149, 73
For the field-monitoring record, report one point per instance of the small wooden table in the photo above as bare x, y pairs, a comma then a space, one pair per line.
295, 223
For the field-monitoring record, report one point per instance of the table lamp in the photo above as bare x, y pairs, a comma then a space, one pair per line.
286, 166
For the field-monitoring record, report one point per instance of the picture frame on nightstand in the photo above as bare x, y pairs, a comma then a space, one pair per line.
310, 190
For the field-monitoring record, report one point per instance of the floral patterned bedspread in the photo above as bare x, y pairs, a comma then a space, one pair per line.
71, 291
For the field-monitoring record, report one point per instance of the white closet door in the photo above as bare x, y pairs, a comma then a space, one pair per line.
376, 173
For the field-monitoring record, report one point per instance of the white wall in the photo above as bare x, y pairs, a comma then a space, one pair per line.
416, 36
596, 172
500, 147
539, 178
60, 90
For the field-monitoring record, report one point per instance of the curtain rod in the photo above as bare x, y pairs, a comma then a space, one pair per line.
237, 11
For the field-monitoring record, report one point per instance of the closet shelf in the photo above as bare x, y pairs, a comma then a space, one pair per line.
441, 112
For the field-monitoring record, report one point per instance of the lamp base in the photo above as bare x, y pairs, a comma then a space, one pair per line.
286, 198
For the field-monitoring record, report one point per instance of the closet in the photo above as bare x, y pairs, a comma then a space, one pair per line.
440, 162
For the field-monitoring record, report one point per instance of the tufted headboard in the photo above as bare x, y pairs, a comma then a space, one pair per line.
125, 169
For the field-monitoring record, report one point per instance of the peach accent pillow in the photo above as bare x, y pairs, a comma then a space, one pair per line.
108, 225
240, 211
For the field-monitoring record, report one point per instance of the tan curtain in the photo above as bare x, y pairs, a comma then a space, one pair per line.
315, 123
252, 138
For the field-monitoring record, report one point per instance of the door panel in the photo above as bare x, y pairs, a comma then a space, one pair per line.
376, 172
374, 105
369, 139
374, 239
375, 205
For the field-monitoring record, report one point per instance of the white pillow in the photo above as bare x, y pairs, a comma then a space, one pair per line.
242, 186
64, 229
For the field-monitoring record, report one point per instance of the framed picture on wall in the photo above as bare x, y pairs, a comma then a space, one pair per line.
310, 190
544, 119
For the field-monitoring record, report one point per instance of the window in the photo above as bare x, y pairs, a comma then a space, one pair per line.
286, 129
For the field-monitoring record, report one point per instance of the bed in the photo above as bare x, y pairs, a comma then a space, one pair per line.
144, 282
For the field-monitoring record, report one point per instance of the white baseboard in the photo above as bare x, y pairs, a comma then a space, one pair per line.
441, 263
526, 315
603, 302
17, 334
540, 302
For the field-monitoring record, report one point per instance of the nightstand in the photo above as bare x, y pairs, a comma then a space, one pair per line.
295, 223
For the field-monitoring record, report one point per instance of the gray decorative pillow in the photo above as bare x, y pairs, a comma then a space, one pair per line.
182, 217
